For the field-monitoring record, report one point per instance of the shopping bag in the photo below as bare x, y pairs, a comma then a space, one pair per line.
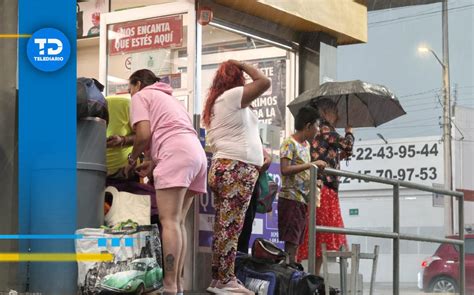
127, 206
267, 190
136, 267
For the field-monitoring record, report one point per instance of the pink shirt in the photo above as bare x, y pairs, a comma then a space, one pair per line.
167, 116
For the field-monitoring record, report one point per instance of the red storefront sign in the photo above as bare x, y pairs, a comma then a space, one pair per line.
162, 32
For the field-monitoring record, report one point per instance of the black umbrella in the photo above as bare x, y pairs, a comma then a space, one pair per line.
360, 104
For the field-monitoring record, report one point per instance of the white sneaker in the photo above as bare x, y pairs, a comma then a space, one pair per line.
212, 287
233, 286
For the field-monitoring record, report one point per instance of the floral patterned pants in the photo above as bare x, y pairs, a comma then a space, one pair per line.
232, 183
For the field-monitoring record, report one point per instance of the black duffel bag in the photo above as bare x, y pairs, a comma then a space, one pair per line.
276, 278
90, 100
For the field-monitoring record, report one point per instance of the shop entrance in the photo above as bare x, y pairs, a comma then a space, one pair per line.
166, 39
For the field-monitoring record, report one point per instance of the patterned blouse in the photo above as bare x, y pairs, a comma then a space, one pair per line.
295, 187
331, 147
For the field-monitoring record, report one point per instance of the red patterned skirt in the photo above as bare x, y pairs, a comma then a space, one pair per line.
328, 214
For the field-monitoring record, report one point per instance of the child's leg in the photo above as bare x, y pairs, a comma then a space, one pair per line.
319, 262
291, 225
291, 249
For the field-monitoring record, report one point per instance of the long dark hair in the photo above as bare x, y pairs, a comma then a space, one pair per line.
145, 77
228, 76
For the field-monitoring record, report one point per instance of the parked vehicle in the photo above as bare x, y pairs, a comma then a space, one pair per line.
144, 275
440, 272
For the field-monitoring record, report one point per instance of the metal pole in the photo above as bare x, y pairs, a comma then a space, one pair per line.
396, 241
313, 195
12, 275
197, 126
374, 269
343, 273
448, 169
355, 259
462, 269
325, 267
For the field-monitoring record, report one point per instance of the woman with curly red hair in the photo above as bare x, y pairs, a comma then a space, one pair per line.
232, 130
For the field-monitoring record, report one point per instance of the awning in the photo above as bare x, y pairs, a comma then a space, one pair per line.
387, 4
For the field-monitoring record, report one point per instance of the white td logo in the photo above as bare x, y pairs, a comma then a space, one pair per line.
51, 51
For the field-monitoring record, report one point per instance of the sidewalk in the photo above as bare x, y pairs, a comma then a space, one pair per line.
386, 289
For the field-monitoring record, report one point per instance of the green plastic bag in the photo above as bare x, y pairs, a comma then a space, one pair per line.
267, 190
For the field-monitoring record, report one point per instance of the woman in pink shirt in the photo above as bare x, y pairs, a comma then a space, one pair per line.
164, 128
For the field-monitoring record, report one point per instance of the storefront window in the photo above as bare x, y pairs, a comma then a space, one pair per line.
157, 44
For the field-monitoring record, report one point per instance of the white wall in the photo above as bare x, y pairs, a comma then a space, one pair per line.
88, 58
417, 216
464, 155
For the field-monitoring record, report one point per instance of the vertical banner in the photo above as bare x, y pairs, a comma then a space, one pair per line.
47, 139
270, 107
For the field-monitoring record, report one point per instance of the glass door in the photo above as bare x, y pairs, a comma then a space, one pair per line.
161, 38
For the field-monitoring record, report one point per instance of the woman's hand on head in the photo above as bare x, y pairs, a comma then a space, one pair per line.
236, 62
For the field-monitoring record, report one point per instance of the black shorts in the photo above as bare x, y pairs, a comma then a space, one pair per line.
291, 221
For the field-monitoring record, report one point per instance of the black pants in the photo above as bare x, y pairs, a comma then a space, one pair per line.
244, 238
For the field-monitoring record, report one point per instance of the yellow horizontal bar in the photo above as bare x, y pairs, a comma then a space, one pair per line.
55, 257
15, 36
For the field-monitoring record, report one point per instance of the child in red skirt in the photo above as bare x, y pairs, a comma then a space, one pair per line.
329, 147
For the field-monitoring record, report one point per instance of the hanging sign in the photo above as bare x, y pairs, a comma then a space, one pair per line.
149, 34
417, 159
205, 15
